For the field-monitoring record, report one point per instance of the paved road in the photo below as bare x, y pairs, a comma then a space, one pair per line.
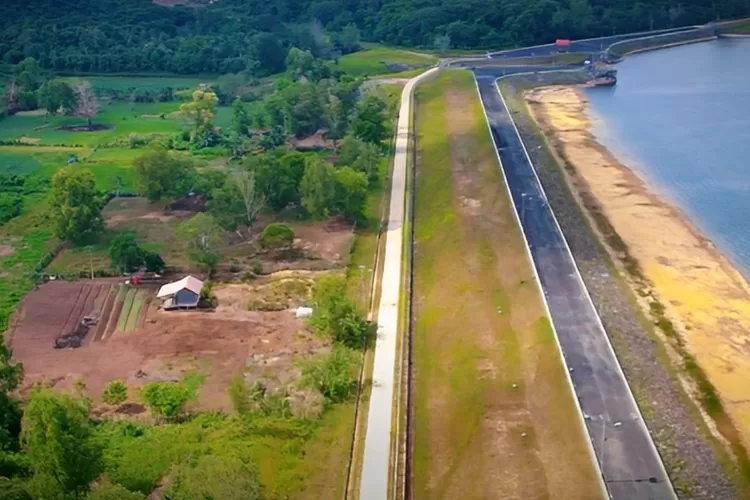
377, 453
628, 460
589, 46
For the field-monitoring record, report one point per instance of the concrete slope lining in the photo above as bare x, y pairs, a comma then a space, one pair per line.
626, 454
377, 451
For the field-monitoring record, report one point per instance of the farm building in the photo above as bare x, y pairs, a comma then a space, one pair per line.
183, 293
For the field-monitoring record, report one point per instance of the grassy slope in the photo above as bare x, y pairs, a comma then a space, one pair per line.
373, 62
480, 326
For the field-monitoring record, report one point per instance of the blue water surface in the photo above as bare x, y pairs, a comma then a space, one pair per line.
680, 118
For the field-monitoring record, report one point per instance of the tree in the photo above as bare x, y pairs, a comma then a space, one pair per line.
226, 206
55, 95
443, 43
252, 200
368, 161
199, 112
240, 119
76, 206
161, 174
318, 187
215, 477
351, 193
203, 235
228, 87
28, 74
276, 235
11, 375
278, 178
87, 105
115, 393
58, 441
124, 253
369, 123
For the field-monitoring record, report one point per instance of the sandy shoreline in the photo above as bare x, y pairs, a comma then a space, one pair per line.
706, 298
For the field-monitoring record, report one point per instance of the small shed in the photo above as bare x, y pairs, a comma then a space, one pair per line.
184, 293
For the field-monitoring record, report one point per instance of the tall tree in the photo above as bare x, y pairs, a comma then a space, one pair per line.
369, 123
199, 111
58, 441
76, 206
351, 193
56, 95
240, 118
163, 175
203, 235
252, 200
87, 106
318, 187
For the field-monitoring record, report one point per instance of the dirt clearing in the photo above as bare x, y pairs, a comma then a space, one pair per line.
493, 410
137, 342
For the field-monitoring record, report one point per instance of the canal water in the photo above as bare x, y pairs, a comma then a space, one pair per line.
680, 118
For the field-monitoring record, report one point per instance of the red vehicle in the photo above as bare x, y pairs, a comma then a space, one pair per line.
562, 44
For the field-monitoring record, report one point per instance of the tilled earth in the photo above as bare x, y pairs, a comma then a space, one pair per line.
693, 464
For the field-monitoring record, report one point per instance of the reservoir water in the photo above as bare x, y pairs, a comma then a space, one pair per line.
680, 118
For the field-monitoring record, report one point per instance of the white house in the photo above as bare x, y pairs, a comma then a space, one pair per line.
183, 293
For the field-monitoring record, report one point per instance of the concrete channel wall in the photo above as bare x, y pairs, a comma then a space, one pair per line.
619, 50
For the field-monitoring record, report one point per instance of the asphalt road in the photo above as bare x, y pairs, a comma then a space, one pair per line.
376, 465
590, 46
628, 459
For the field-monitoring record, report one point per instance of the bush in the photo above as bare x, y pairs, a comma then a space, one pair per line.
276, 235
115, 393
208, 297
111, 491
334, 375
215, 477
168, 399
335, 316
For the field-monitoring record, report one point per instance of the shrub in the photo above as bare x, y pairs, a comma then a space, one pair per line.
115, 393
208, 297
276, 235
211, 476
335, 316
168, 399
334, 375
112, 491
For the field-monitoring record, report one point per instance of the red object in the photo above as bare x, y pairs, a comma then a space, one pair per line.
135, 280
561, 42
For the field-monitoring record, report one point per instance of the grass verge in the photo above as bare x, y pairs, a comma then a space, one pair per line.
493, 411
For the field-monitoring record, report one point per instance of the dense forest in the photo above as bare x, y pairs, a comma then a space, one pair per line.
230, 36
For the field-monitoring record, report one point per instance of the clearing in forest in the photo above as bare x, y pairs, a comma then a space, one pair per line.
493, 410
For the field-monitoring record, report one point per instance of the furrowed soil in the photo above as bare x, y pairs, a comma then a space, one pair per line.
494, 416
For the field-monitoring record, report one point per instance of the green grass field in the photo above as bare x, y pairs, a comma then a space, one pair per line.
124, 118
122, 321
135, 310
376, 61
487, 368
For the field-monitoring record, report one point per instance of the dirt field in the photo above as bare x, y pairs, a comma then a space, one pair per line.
494, 417
144, 344
702, 294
